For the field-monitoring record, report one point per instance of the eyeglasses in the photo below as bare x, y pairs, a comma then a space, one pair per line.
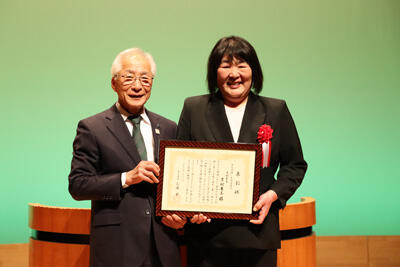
129, 79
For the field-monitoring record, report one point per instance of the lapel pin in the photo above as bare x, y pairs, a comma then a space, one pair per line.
157, 131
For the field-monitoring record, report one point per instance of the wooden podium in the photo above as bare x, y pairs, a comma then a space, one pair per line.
298, 246
60, 236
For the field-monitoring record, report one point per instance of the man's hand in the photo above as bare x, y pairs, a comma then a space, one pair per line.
199, 218
146, 171
263, 204
174, 221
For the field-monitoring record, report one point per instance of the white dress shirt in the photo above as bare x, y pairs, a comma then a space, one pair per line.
235, 118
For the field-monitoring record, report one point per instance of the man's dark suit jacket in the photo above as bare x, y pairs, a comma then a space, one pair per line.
203, 118
123, 220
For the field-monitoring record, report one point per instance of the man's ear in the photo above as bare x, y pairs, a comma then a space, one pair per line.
113, 84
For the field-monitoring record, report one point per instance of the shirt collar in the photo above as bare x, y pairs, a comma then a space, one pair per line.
125, 114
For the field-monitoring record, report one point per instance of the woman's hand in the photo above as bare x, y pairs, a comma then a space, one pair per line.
263, 204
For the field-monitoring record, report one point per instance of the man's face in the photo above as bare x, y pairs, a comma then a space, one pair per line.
133, 83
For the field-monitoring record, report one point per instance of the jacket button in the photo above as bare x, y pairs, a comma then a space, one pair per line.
147, 212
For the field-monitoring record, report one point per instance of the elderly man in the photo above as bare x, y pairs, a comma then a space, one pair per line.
114, 166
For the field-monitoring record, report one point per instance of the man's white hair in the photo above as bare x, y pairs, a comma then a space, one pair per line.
116, 66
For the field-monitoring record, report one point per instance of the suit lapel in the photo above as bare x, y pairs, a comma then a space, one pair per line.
254, 116
217, 120
155, 127
117, 127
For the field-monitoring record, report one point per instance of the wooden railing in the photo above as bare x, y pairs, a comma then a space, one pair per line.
60, 236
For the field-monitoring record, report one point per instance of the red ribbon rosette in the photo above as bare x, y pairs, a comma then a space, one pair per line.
264, 136
264, 133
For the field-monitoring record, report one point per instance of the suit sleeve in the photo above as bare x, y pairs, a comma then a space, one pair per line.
183, 131
86, 182
174, 130
292, 166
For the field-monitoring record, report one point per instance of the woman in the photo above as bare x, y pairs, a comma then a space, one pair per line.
232, 113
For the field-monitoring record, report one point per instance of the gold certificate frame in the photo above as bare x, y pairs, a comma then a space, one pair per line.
219, 180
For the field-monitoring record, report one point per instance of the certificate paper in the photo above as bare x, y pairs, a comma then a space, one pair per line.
216, 179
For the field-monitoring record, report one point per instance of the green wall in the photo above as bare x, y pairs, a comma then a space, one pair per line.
337, 63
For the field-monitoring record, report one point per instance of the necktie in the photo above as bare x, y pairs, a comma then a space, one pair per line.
137, 136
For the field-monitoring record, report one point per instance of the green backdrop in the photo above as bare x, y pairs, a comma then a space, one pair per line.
336, 63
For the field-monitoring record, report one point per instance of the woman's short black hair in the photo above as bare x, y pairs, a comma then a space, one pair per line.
234, 46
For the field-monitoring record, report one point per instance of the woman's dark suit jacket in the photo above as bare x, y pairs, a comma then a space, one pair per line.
203, 118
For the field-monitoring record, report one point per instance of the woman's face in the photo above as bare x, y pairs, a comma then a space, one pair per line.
234, 79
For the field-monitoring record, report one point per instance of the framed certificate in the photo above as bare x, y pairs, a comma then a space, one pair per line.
219, 180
